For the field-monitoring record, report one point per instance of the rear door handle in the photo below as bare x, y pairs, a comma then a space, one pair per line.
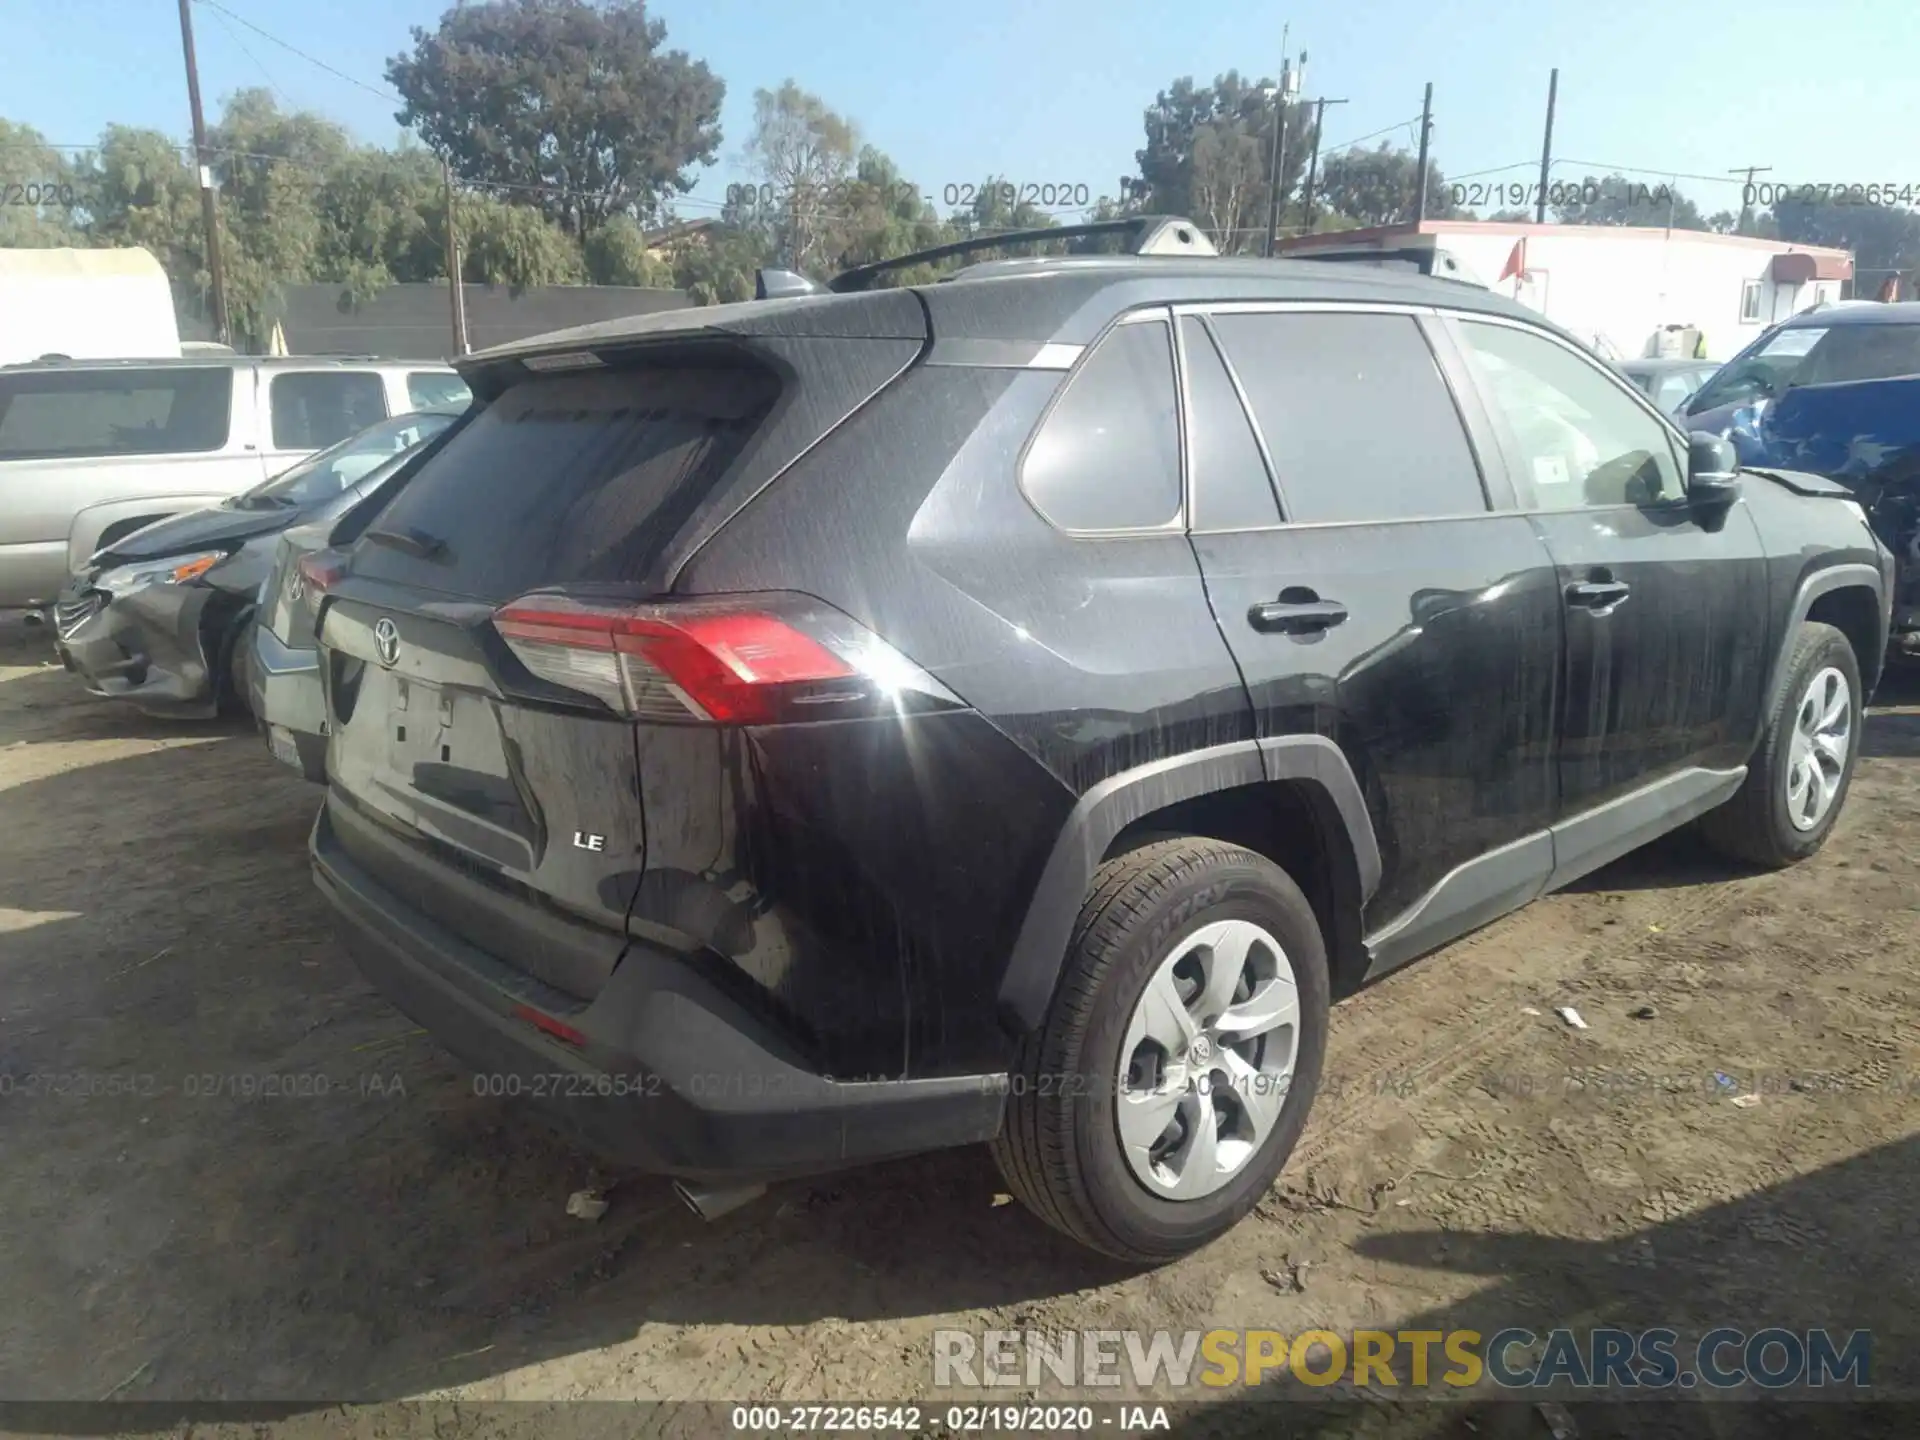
1597, 594
1296, 617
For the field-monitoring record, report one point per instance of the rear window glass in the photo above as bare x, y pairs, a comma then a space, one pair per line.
313, 411
571, 478
437, 390
114, 412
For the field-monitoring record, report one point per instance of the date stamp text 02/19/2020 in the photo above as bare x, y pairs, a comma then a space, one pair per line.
36, 193
1047, 194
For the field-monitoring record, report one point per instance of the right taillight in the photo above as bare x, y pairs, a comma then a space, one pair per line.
727, 660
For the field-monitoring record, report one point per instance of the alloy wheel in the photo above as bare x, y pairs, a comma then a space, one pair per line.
1207, 1060
1817, 754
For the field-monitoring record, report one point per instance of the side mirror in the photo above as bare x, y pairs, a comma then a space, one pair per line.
1713, 470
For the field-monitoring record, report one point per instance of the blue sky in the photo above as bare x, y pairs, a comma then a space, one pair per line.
1052, 90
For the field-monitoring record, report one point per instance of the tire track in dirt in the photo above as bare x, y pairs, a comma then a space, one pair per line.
1480, 978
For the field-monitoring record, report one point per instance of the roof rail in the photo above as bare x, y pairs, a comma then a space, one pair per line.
1147, 235
1424, 259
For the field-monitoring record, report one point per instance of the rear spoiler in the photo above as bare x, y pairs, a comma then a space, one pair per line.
1145, 235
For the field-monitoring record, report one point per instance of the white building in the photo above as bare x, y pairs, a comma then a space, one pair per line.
1627, 291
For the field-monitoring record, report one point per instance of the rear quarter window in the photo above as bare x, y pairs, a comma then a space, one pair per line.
1107, 457
79, 413
571, 478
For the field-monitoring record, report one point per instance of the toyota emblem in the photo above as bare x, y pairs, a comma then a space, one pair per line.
386, 641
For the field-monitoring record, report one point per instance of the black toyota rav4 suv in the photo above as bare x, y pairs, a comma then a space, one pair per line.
785, 735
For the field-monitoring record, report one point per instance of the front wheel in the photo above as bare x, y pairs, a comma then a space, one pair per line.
1180, 1056
1799, 776
231, 687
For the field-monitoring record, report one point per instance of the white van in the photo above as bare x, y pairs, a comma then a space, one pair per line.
93, 451
84, 305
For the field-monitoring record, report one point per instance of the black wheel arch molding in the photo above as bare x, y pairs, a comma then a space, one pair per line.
1108, 808
1826, 580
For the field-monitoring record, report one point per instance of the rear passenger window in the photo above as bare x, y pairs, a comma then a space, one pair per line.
314, 410
1108, 456
1355, 415
114, 411
436, 390
1231, 487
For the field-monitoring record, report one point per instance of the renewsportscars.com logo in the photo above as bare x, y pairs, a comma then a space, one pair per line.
1726, 1358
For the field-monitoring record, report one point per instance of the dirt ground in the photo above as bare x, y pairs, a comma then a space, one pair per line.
1473, 1160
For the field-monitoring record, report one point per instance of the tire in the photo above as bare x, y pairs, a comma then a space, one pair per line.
1060, 1149
232, 695
1757, 825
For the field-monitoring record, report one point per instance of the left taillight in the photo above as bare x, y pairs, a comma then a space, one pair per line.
312, 576
724, 660
319, 571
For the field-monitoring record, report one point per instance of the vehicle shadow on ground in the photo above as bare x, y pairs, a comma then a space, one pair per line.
369, 1227
1753, 1263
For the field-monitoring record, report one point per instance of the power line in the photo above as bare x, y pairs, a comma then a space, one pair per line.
235, 34
1644, 170
1491, 170
296, 50
1385, 130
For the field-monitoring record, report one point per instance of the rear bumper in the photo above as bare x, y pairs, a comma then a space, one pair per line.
284, 694
673, 1077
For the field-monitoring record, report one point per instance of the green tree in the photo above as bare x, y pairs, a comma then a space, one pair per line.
1616, 200
579, 97
502, 243
617, 254
805, 155
271, 167
1208, 153
1381, 186
383, 221
27, 160
1228, 183
885, 217
1883, 238
718, 268
141, 192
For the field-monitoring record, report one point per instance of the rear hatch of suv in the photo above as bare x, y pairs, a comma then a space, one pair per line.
502, 649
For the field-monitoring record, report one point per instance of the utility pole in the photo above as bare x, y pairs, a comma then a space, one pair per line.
1313, 162
209, 208
1546, 148
458, 291
1746, 205
1277, 155
1420, 182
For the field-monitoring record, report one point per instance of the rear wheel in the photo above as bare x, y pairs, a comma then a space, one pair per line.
1180, 1057
1798, 778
